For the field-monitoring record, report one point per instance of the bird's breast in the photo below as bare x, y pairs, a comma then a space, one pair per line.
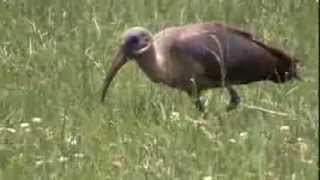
162, 66
178, 73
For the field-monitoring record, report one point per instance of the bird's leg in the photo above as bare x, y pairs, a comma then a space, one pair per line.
234, 98
200, 102
195, 94
197, 99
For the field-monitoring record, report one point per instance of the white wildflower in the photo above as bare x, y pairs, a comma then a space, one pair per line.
24, 125
11, 130
285, 129
309, 161
36, 120
117, 164
243, 136
63, 159
175, 116
232, 140
72, 140
299, 139
78, 155
27, 129
207, 178
39, 163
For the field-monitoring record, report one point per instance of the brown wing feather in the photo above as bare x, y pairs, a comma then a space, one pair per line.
286, 64
246, 58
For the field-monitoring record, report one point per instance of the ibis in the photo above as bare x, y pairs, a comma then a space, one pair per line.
201, 56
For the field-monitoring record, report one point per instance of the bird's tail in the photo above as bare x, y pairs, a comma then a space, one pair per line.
287, 67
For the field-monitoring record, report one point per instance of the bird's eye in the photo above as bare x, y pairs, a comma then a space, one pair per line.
134, 40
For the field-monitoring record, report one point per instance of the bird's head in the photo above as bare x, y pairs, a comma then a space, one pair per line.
135, 42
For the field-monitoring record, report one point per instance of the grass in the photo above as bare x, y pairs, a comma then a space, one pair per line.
53, 58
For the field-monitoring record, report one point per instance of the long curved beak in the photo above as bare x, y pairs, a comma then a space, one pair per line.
118, 61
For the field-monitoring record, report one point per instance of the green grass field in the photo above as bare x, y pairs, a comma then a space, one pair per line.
53, 58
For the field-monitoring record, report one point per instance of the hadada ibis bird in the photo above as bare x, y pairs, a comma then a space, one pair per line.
197, 57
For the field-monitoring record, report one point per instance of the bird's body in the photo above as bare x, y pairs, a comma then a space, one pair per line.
201, 56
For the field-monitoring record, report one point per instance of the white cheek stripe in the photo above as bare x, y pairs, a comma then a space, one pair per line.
140, 51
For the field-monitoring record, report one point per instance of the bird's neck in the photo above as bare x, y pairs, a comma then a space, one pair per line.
149, 63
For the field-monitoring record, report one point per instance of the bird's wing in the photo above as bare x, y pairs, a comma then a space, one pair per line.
195, 44
242, 56
274, 51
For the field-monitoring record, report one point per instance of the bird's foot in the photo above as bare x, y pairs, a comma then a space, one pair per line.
234, 102
201, 103
234, 98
